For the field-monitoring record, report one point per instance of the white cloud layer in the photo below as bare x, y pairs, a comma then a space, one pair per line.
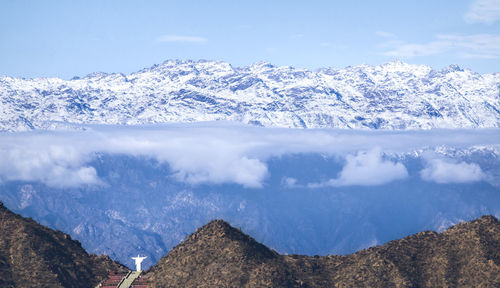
222, 152
57, 166
483, 11
181, 38
366, 169
447, 171
479, 46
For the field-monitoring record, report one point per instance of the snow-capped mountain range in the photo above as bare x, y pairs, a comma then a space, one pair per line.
394, 95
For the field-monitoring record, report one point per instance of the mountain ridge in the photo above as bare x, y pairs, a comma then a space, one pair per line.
218, 255
32, 255
394, 95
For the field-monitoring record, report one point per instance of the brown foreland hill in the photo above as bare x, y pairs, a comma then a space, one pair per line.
218, 255
32, 255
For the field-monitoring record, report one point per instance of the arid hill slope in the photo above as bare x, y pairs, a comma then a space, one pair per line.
32, 255
218, 255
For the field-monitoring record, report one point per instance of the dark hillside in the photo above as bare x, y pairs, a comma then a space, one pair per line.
218, 255
32, 255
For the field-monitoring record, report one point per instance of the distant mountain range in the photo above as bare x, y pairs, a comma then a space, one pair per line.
218, 255
394, 95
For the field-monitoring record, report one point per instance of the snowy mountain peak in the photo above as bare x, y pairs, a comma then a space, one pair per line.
394, 95
260, 65
452, 68
96, 75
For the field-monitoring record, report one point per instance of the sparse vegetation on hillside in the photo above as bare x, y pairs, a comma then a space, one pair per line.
32, 255
218, 255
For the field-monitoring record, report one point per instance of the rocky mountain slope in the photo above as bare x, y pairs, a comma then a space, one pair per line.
218, 255
395, 95
32, 255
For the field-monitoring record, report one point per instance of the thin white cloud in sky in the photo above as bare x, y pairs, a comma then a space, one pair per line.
366, 168
222, 153
481, 46
483, 11
447, 171
181, 38
289, 182
385, 34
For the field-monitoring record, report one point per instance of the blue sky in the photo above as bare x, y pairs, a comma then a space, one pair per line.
74, 38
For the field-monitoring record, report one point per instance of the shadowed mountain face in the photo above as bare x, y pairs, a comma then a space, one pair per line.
142, 199
32, 255
218, 255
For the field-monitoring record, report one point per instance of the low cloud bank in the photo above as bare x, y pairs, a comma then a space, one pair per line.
227, 153
56, 166
366, 169
447, 171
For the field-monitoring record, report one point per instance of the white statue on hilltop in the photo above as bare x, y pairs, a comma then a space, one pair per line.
138, 261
